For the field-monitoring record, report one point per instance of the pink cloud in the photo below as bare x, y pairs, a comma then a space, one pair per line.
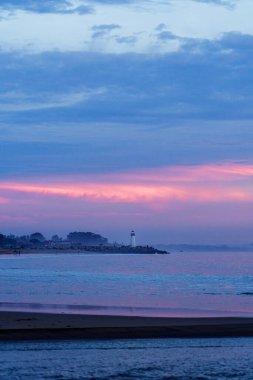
3, 200
213, 172
207, 183
100, 192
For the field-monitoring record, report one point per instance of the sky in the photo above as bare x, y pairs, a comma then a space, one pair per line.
127, 114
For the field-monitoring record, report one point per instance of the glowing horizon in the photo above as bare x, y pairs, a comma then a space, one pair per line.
135, 196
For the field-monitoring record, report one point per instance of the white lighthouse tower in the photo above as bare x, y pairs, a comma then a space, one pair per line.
133, 242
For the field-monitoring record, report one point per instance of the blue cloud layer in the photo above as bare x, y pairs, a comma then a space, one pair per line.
205, 79
45, 6
226, 3
55, 6
106, 112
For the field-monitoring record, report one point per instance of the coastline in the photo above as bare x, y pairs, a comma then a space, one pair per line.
86, 250
16, 325
53, 251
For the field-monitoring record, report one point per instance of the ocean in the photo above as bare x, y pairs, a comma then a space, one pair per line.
167, 359
179, 284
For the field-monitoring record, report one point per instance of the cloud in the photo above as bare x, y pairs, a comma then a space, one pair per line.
126, 39
80, 112
103, 29
146, 33
212, 183
236, 41
226, 3
21, 102
82, 10
166, 36
46, 6
161, 27
112, 2
3, 200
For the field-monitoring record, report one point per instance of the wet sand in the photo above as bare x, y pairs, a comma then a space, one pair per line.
29, 325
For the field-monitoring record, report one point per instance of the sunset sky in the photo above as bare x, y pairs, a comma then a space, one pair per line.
118, 115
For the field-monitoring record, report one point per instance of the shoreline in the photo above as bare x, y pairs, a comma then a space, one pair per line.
44, 251
16, 325
12, 252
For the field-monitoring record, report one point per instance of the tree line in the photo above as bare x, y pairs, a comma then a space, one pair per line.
37, 239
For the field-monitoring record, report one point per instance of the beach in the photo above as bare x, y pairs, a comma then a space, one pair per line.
85, 316
30, 325
125, 296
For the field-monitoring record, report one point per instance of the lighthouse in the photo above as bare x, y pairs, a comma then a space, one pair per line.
133, 242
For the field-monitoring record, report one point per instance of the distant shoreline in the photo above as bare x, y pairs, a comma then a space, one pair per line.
34, 251
32, 326
90, 250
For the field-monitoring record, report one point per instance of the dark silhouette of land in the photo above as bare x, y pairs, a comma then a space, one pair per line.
74, 242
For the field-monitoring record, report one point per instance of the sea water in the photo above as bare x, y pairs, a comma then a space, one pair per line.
167, 359
180, 284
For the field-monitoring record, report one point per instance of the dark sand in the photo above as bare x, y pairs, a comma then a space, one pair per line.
29, 325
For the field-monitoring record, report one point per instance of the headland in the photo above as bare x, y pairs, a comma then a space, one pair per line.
75, 242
